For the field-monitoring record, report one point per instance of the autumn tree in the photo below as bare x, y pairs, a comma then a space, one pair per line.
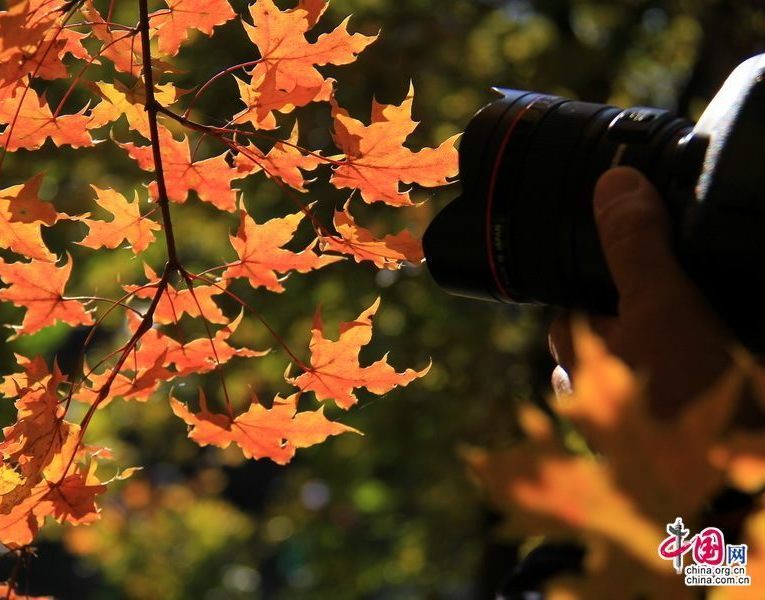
50, 49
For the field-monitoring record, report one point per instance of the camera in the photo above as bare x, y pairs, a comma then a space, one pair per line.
523, 229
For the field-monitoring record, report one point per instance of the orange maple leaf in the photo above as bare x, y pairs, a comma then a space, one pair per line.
742, 457
172, 25
199, 355
18, 523
34, 370
25, 205
286, 76
175, 303
22, 214
210, 178
73, 499
754, 536
545, 490
335, 370
284, 161
119, 100
610, 408
33, 40
37, 450
39, 287
29, 122
139, 385
262, 255
616, 498
375, 161
358, 242
261, 432
121, 47
9, 594
127, 224
59, 488
39, 432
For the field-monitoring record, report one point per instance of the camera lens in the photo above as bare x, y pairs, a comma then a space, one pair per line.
524, 230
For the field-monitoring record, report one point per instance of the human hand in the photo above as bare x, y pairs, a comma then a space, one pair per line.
665, 329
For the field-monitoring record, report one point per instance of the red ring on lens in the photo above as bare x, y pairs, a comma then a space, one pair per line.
490, 200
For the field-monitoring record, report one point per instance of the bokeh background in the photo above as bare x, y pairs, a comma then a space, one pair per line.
392, 514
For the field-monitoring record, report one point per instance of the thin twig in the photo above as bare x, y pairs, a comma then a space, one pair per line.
152, 107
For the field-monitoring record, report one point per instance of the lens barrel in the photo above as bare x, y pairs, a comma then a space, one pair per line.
524, 230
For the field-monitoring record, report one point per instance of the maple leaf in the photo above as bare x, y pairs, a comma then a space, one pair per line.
754, 537
30, 122
199, 355
39, 287
358, 242
47, 471
53, 491
286, 76
48, 62
119, 100
72, 500
610, 408
22, 36
209, 178
262, 100
39, 433
33, 40
139, 386
8, 594
34, 371
335, 370
175, 303
544, 490
285, 161
262, 255
25, 205
742, 458
574, 492
22, 213
127, 224
617, 502
121, 47
172, 25
375, 160
39, 445
19, 524
261, 432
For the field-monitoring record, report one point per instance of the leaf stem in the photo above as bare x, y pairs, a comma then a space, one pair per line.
214, 78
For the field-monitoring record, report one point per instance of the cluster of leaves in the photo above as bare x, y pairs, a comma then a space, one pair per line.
621, 474
47, 469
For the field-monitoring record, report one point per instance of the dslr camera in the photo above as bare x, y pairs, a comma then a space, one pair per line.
523, 229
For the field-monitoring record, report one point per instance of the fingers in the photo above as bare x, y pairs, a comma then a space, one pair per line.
635, 234
666, 328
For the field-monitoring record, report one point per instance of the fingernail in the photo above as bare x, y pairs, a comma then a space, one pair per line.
614, 184
561, 383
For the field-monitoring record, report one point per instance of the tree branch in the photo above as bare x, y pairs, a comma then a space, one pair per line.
152, 107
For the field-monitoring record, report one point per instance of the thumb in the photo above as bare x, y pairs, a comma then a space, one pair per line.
635, 233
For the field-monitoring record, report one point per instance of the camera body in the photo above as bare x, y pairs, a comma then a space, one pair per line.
525, 224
